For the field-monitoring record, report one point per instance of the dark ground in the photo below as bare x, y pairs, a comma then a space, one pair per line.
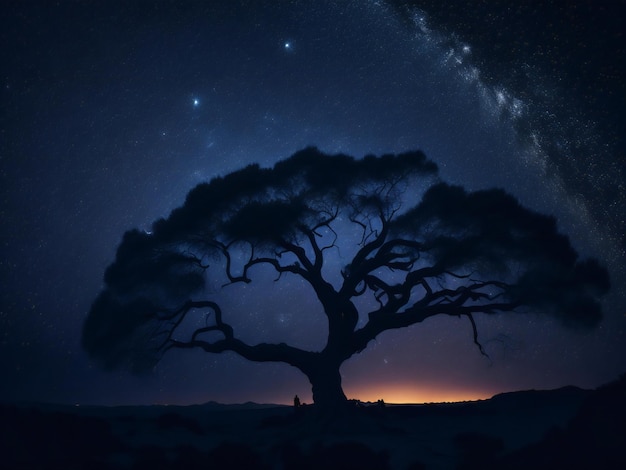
564, 428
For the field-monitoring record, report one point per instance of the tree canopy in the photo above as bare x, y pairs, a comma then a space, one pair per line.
412, 247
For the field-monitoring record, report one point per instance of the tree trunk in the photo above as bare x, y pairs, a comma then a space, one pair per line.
326, 384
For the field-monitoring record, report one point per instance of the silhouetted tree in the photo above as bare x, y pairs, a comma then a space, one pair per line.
418, 248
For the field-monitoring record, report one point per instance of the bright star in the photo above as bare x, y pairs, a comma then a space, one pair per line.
196, 102
287, 46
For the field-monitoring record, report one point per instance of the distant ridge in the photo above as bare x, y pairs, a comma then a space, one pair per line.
504, 398
249, 405
538, 399
568, 390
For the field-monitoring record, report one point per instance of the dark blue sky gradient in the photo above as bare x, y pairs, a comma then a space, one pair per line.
111, 112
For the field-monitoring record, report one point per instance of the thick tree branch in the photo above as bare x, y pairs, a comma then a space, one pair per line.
300, 253
279, 268
369, 247
174, 318
317, 252
462, 301
312, 234
383, 256
262, 352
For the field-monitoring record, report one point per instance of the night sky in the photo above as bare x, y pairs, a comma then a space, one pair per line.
110, 112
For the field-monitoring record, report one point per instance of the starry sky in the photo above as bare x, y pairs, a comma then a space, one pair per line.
110, 112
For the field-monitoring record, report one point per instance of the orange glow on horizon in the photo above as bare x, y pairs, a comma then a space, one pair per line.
392, 393
389, 393
414, 394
